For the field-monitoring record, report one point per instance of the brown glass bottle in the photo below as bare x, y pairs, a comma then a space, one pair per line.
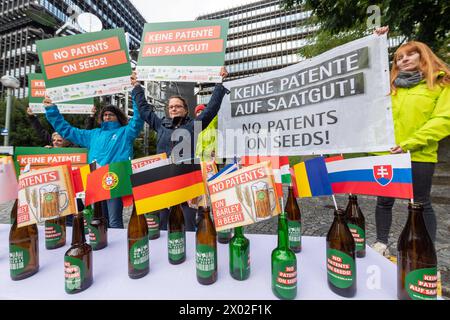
206, 248
153, 225
55, 233
138, 249
357, 225
78, 273
176, 235
294, 218
98, 228
416, 259
23, 249
341, 264
224, 236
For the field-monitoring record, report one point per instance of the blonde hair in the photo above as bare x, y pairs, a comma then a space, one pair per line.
65, 142
430, 65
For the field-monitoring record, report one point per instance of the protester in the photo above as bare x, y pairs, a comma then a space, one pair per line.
112, 142
420, 91
178, 130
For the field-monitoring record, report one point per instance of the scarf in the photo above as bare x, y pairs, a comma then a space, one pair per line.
408, 79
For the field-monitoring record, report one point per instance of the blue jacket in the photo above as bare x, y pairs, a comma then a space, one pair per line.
109, 143
165, 127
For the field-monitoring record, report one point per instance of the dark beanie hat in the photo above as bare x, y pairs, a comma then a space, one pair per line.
121, 117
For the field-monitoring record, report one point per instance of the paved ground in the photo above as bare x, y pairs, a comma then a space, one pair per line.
317, 218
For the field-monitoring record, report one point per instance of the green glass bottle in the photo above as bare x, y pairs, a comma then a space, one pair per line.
176, 235
341, 264
284, 264
294, 222
416, 259
239, 255
357, 225
205, 248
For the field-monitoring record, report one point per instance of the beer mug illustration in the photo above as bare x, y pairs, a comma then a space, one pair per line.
264, 200
50, 197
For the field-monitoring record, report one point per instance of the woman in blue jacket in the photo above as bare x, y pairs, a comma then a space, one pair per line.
112, 142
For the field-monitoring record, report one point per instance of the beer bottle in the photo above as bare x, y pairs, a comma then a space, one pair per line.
98, 229
239, 255
153, 225
138, 250
87, 214
284, 264
23, 249
176, 235
294, 219
55, 233
78, 259
224, 236
341, 265
357, 225
206, 248
416, 259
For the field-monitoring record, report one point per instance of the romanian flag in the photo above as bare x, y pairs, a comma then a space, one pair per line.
109, 182
166, 186
311, 178
280, 169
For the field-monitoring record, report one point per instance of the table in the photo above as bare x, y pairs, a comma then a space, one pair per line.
376, 276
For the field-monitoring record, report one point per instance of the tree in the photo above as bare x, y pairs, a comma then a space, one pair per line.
422, 20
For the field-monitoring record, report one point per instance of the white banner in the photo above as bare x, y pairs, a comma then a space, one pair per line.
337, 102
65, 108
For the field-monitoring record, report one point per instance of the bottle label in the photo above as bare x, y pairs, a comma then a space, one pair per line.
74, 273
341, 268
205, 260
421, 284
359, 236
152, 224
295, 233
139, 254
19, 258
87, 214
94, 236
176, 245
284, 277
53, 234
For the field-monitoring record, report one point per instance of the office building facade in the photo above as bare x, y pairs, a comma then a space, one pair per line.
23, 22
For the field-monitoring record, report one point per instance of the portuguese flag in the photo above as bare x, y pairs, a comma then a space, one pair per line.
109, 182
166, 186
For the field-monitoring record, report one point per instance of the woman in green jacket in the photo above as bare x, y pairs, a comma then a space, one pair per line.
420, 91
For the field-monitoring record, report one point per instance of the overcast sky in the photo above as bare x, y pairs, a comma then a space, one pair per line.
182, 10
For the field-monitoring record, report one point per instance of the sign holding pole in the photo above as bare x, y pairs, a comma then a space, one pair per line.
184, 51
85, 65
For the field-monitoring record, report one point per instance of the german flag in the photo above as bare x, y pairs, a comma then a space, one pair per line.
166, 186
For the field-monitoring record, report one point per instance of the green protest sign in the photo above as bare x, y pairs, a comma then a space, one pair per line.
85, 65
186, 51
36, 94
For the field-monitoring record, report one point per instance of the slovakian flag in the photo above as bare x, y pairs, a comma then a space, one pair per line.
8, 181
387, 176
311, 178
166, 186
280, 169
109, 182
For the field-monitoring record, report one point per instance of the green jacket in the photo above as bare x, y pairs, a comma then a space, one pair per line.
207, 141
421, 119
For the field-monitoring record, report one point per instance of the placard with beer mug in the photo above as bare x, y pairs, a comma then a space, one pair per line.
244, 197
45, 194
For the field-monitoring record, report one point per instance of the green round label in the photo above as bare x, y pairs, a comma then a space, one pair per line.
205, 260
48, 197
19, 258
284, 278
53, 234
261, 195
74, 273
139, 254
359, 236
421, 284
341, 268
176, 245
152, 224
295, 233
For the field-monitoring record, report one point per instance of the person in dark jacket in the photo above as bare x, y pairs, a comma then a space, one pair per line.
175, 133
